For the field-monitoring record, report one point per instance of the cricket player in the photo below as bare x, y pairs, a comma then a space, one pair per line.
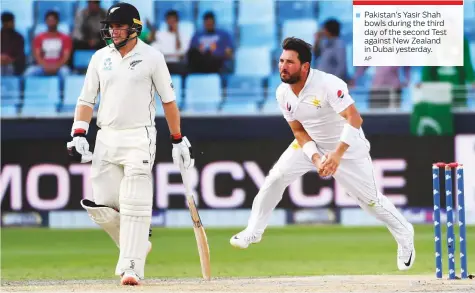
328, 137
126, 73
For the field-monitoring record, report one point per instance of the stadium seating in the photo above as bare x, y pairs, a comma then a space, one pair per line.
244, 95
11, 91
270, 105
72, 89
341, 10
304, 29
178, 87
184, 8
23, 11
105, 4
273, 82
469, 9
288, 10
223, 10
257, 29
81, 59
145, 8
253, 12
41, 96
257, 34
64, 8
253, 61
203, 93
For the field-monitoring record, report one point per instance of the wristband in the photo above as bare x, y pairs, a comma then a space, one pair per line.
176, 138
349, 135
79, 125
309, 149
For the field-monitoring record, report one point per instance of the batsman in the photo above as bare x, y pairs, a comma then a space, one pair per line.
329, 138
126, 73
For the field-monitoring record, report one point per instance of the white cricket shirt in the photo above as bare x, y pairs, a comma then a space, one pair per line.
127, 86
317, 108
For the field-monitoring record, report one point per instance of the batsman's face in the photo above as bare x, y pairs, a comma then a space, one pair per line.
290, 67
118, 32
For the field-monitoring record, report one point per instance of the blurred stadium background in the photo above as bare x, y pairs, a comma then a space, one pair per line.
233, 121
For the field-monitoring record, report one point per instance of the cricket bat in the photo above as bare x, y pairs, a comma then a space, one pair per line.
200, 234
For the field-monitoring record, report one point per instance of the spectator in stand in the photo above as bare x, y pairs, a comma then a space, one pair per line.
87, 27
51, 50
330, 50
387, 87
210, 48
173, 44
12, 48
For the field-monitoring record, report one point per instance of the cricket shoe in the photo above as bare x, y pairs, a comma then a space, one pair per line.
244, 238
129, 278
406, 255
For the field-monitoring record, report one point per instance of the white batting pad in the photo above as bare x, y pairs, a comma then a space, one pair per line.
136, 196
106, 217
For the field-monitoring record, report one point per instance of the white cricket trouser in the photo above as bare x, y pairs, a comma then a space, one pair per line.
121, 178
355, 176
120, 153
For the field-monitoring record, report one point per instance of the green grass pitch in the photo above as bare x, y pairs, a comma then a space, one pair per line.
32, 254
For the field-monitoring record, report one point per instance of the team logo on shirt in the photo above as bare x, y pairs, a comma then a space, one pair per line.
340, 94
108, 64
133, 64
316, 102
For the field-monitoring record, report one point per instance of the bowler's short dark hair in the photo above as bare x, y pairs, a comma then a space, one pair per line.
303, 48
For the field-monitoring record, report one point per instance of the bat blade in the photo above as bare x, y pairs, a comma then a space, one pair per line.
201, 239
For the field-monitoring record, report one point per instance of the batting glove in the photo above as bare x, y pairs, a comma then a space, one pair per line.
78, 148
182, 153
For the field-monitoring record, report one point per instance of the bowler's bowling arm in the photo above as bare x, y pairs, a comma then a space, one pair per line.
300, 134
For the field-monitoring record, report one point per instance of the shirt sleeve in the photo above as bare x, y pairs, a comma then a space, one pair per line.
90, 89
162, 80
67, 43
338, 95
285, 109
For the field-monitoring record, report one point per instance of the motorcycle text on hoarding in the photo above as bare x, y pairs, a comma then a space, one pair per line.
38, 176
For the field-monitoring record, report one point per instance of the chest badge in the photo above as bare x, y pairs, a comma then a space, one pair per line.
317, 103
107, 64
133, 64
